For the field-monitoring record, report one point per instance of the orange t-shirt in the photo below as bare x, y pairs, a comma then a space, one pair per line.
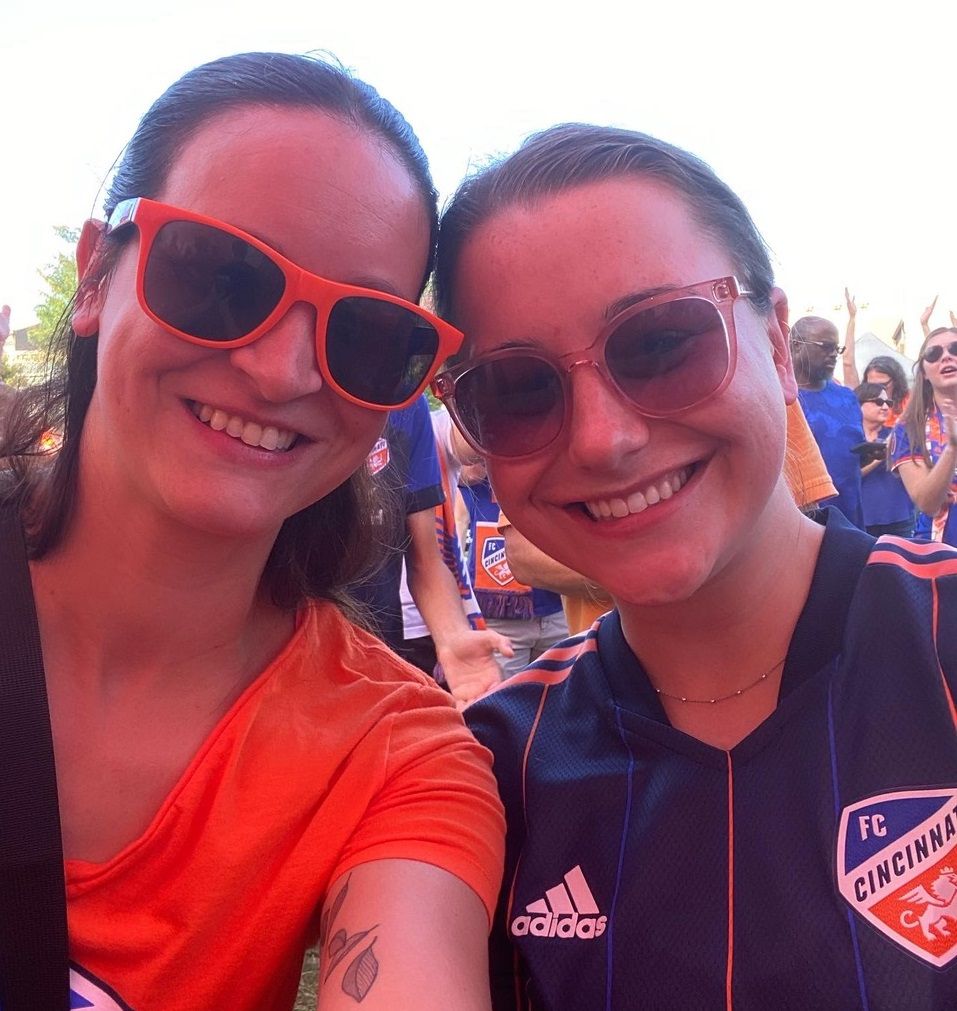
339, 753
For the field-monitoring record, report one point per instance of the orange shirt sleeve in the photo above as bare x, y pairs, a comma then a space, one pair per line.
804, 468
438, 802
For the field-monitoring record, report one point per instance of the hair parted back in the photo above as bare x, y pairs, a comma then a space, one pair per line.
575, 154
324, 547
893, 369
868, 391
920, 404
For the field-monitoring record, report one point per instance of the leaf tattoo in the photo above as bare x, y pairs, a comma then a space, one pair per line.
342, 949
361, 974
362, 971
329, 916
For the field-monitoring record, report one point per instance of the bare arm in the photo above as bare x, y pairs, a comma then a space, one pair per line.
930, 487
467, 656
852, 378
530, 565
402, 934
925, 317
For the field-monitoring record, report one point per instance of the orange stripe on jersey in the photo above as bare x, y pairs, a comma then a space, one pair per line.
539, 673
911, 547
923, 570
935, 627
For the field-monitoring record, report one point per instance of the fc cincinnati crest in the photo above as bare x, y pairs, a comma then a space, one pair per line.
494, 561
379, 456
897, 867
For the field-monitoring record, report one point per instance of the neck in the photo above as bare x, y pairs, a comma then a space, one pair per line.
130, 591
871, 428
739, 624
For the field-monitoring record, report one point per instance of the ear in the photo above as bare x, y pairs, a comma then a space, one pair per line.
780, 334
86, 312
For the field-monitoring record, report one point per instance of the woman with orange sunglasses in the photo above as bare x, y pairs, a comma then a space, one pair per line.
241, 769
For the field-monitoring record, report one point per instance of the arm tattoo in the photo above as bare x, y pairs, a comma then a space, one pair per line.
362, 971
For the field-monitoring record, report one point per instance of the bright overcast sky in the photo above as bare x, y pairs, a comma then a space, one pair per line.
834, 120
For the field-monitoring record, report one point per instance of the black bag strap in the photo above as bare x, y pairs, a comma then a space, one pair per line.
34, 952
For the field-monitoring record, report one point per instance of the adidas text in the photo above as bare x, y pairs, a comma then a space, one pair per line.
557, 925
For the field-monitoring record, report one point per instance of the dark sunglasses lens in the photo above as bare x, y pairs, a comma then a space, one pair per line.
935, 353
377, 351
208, 283
669, 357
512, 405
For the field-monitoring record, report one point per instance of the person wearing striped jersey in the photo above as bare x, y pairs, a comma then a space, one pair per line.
739, 788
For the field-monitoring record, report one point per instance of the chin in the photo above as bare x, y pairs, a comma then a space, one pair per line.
241, 517
655, 579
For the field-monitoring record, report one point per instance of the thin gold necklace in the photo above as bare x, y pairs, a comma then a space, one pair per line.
723, 698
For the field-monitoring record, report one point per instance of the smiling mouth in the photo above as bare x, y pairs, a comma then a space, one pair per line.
645, 498
268, 437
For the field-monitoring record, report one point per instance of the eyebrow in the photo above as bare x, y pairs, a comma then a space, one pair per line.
627, 301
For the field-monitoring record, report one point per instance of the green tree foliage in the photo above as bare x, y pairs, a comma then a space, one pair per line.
60, 278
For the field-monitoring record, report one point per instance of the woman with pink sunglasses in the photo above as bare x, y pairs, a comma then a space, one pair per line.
739, 788
241, 769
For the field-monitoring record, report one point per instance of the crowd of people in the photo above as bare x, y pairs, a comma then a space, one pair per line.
885, 446
709, 749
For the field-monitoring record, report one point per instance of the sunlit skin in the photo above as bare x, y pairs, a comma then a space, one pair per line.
942, 374
151, 614
876, 376
814, 364
875, 415
709, 583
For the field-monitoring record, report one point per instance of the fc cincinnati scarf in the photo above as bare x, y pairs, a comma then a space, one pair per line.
499, 593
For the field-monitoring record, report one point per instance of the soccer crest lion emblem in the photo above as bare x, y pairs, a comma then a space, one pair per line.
897, 867
495, 562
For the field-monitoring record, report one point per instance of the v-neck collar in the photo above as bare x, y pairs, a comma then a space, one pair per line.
815, 643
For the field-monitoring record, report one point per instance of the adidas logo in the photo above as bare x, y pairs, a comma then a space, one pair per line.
568, 910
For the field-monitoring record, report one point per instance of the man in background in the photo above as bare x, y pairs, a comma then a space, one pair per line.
831, 410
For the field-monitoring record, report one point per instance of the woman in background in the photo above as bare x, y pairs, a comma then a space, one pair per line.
887, 506
924, 449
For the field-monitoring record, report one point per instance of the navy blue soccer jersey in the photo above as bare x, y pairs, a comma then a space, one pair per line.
405, 468
814, 866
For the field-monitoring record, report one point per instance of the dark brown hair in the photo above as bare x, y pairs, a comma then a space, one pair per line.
893, 369
921, 401
328, 545
574, 154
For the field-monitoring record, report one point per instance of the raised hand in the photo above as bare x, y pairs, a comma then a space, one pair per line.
925, 316
4, 323
851, 302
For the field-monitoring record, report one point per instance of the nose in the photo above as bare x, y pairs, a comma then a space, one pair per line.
282, 363
604, 429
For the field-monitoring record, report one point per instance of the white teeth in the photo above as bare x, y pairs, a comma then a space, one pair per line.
638, 501
250, 432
